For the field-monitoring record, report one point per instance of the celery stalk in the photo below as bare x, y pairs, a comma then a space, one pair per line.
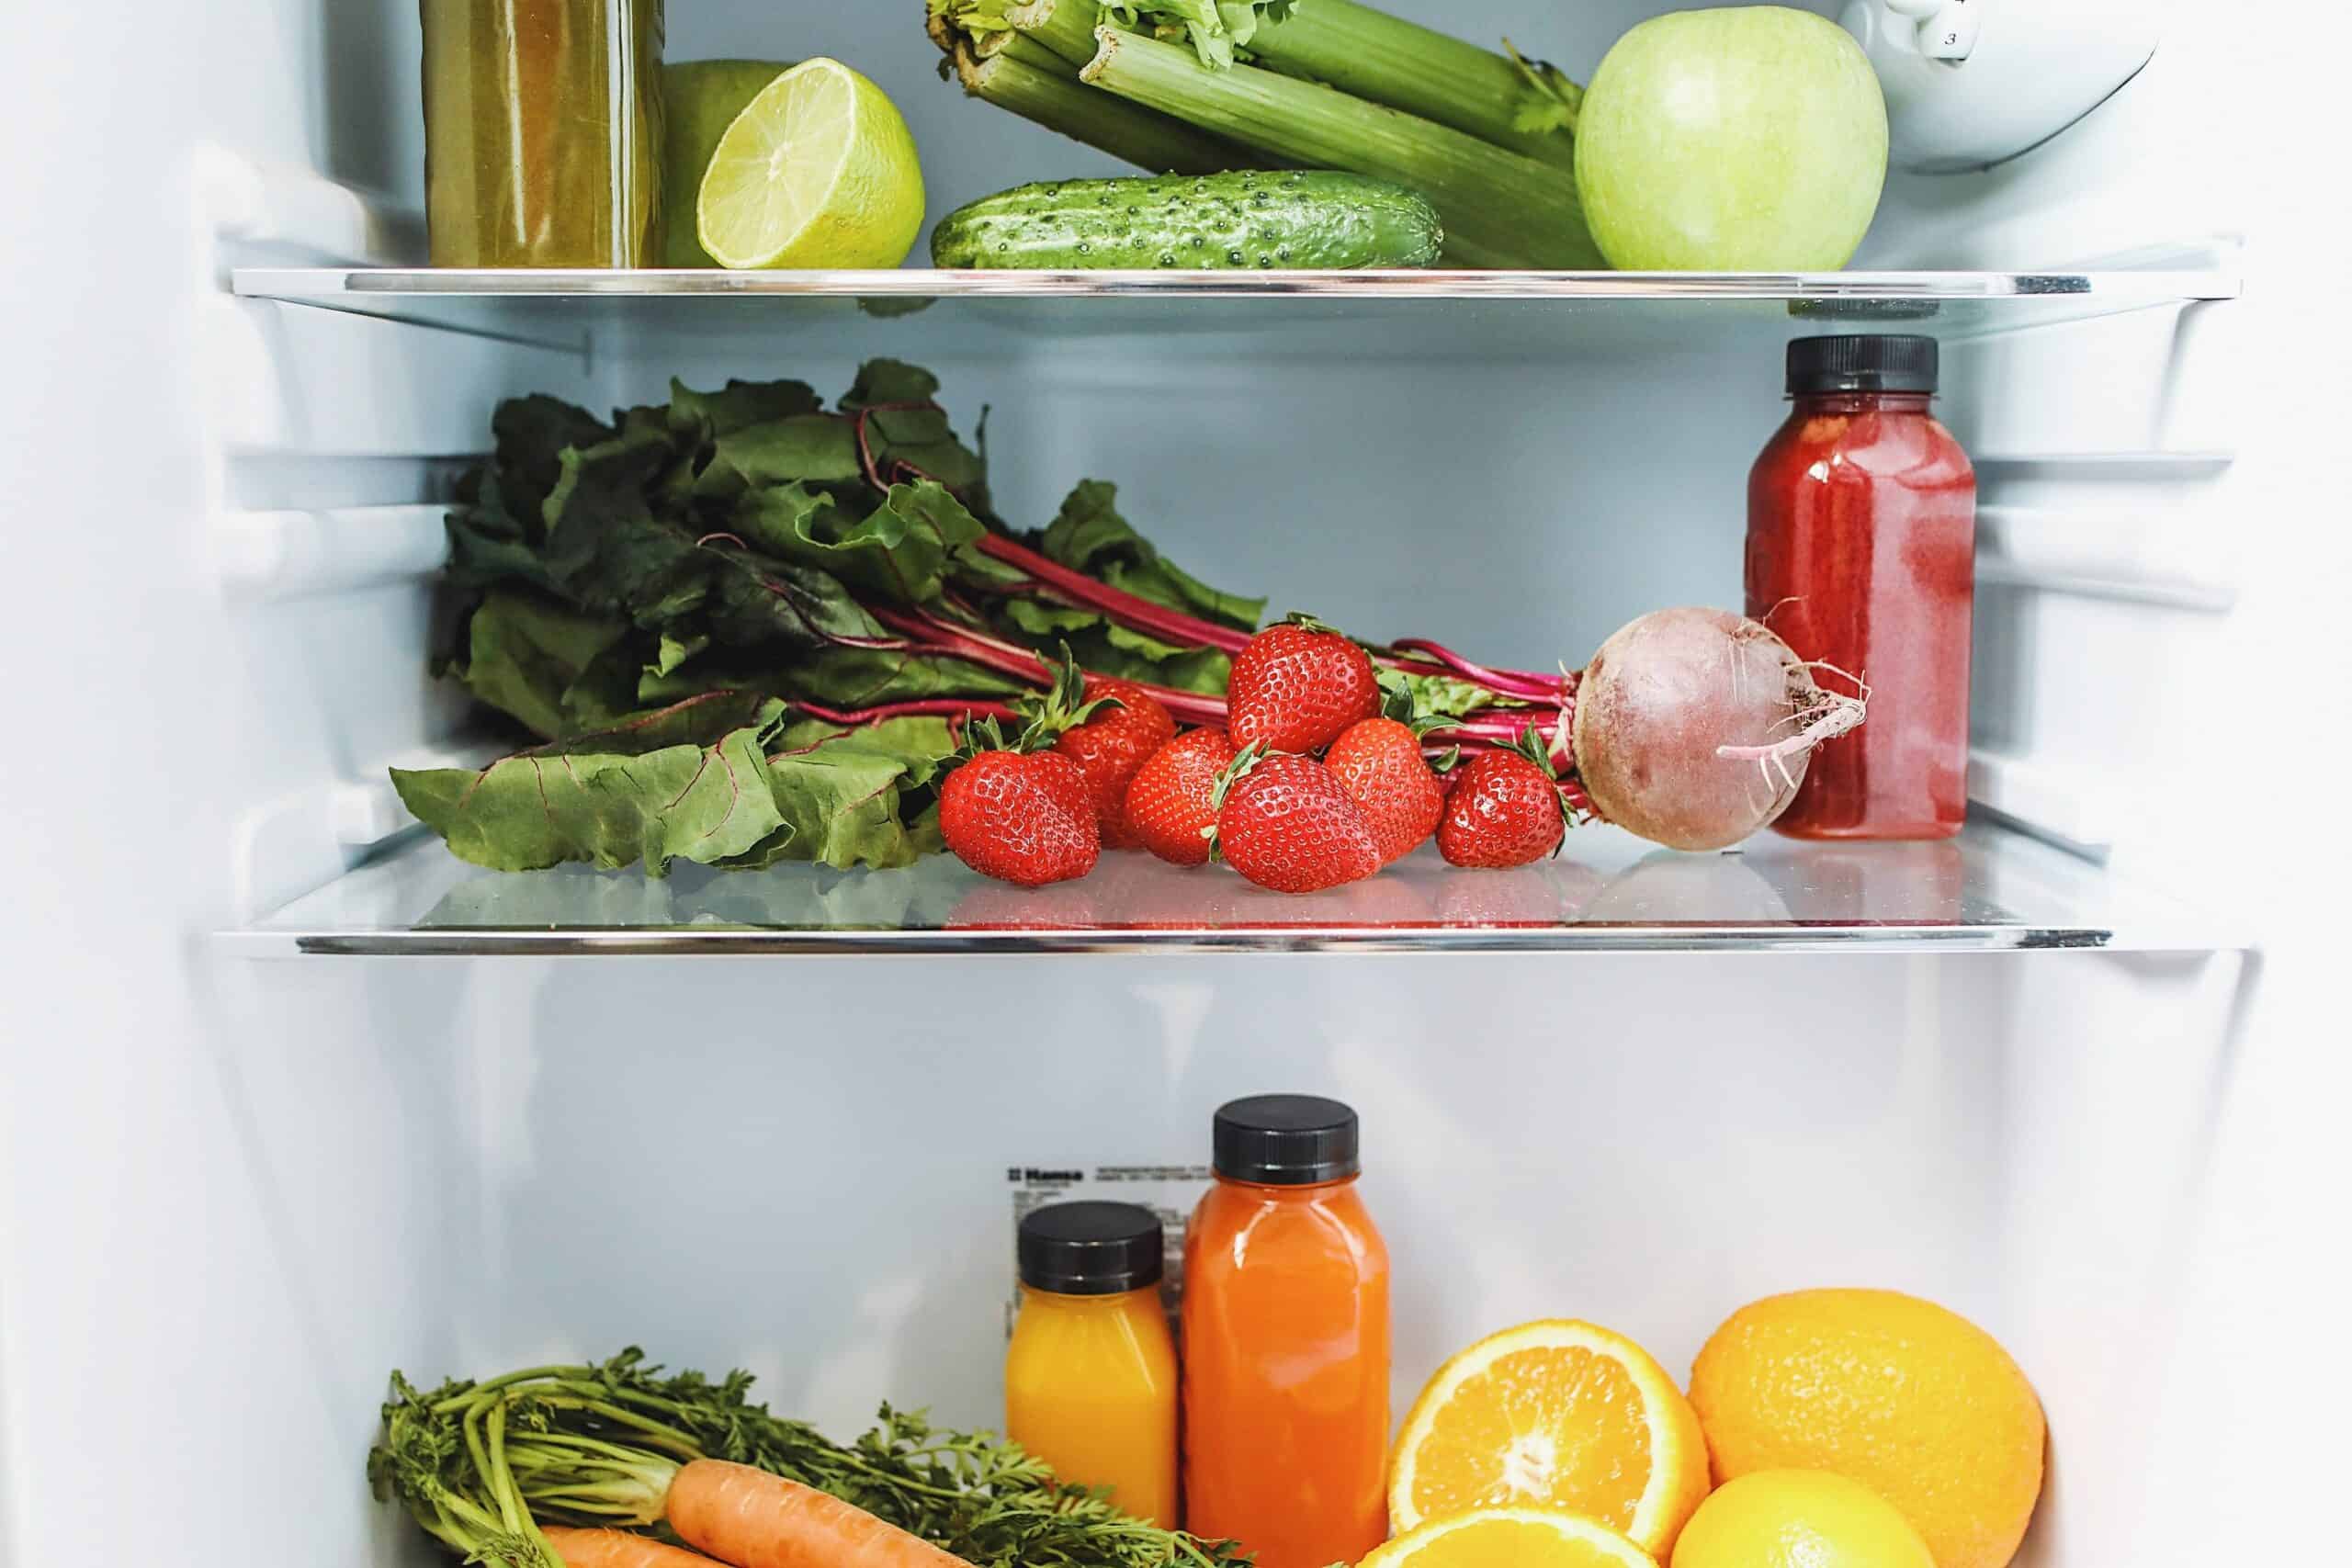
1501, 209
1387, 60
1066, 27
1013, 79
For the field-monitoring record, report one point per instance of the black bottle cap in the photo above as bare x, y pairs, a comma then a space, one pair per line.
1875, 362
1286, 1140
1090, 1249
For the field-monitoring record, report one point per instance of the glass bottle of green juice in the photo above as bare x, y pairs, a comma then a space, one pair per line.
543, 132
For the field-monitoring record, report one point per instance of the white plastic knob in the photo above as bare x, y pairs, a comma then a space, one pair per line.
1917, 9
1950, 33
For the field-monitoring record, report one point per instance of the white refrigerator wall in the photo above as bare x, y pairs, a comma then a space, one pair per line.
234, 1195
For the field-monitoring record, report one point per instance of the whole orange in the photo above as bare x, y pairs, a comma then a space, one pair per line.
1912, 1400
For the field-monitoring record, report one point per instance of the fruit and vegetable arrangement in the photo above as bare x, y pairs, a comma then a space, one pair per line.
1746, 138
1824, 1428
1292, 134
749, 628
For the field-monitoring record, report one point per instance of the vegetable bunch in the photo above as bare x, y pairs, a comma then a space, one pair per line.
491, 1467
749, 628
1195, 87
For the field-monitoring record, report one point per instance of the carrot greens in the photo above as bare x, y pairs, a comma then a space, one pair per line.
483, 1466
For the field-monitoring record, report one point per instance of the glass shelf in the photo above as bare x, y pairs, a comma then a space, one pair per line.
1989, 890
1386, 313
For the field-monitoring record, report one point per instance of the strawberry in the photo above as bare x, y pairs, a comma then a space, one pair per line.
1110, 747
1285, 823
1378, 763
1022, 817
1171, 803
1504, 810
1294, 686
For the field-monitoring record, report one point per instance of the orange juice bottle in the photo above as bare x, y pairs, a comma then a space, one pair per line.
1286, 1321
1090, 1378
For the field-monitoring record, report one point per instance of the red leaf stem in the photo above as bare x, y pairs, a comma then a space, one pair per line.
1520, 682
1134, 613
928, 708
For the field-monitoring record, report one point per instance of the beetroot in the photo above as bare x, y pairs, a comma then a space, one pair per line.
1693, 726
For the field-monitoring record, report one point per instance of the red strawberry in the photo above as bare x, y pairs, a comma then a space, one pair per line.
1378, 763
1504, 810
1296, 686
1110, 747
1171, 803
1019, 817
1286, 824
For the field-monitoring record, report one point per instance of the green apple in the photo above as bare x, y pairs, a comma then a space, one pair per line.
1746, 139
700, 98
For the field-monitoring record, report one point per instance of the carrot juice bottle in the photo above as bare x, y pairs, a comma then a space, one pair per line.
1285, 1319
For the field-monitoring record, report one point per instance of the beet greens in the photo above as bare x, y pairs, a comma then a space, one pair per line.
748, 628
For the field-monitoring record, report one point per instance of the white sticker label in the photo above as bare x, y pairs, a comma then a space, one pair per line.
1168, 1190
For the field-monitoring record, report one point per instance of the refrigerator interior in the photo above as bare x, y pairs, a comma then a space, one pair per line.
233, 1194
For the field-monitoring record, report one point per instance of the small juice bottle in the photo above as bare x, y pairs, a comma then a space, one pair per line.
1862, 553
1286, 1341
1090, 1378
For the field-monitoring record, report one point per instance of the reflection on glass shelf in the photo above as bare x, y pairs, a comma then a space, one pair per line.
1413, 312
1988, 890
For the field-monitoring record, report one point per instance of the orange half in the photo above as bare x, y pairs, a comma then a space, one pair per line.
1556, 1415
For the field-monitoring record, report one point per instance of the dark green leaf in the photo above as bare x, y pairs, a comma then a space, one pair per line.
532, 434
1108, 648
1090, 537
487, 545
607, 550
920, 444
738, 405
615, 797
851, 799
761, 791
812, 448
890, 381
545, 664
900, 550
907, 434
838, 678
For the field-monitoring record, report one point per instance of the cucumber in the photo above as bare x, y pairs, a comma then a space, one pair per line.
1242, 220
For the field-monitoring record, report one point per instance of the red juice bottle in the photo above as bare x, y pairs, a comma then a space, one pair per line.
1861, 554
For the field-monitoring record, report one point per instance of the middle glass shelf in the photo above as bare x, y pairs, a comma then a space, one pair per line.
1989, 890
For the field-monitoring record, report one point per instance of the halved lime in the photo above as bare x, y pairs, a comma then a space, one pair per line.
818, 171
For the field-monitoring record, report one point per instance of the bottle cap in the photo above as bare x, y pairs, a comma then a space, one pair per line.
1286, 1140
1875, 362
1090, 1249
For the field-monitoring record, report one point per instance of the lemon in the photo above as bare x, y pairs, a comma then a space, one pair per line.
1799, 1519
1553, 1414
818, 171
1912, 1400
1522, 1537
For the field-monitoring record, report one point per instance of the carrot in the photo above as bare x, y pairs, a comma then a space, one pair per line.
754, 1519
617, 1549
